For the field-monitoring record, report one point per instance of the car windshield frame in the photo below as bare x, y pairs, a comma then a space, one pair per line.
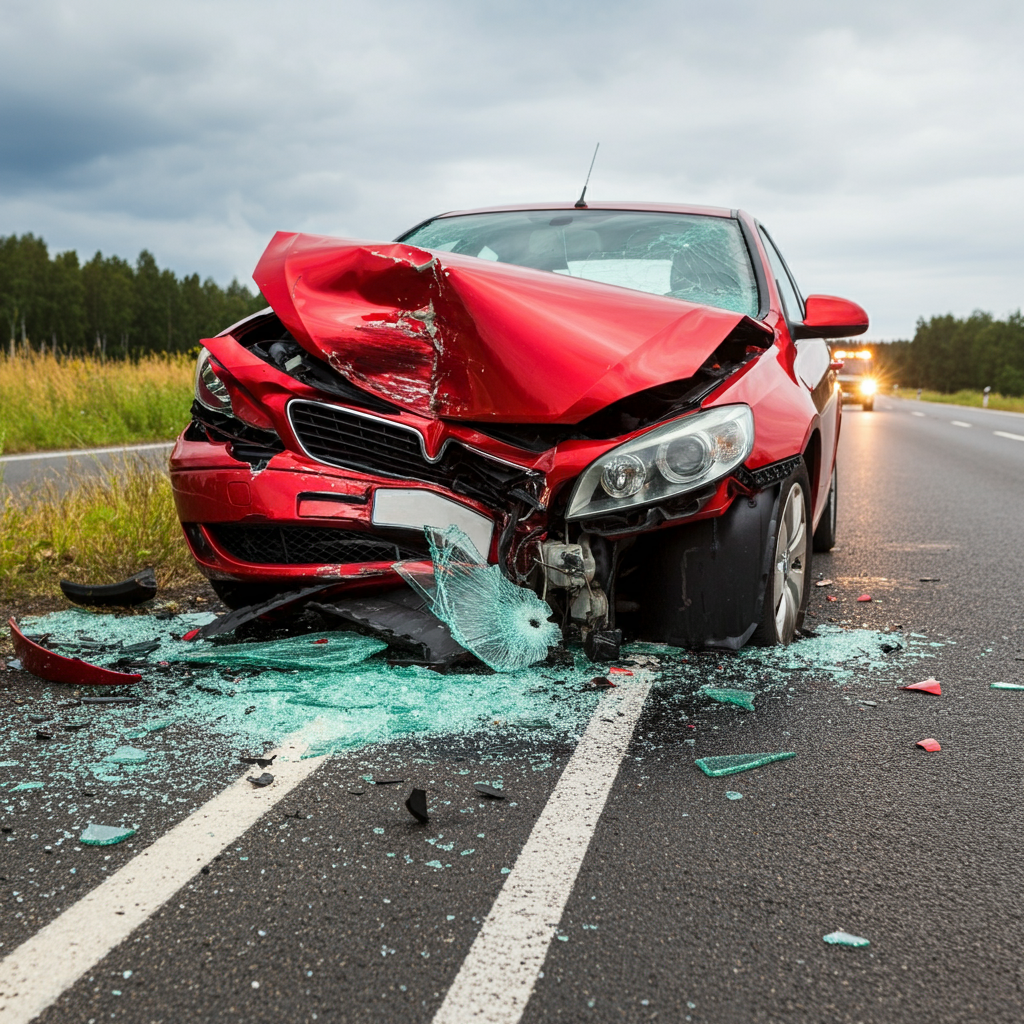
694, 257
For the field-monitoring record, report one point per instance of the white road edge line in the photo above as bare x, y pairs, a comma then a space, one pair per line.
1012, 437
80, 452
960, 423
35, 974
497, 977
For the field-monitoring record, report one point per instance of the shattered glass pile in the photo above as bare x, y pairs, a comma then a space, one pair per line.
505, 626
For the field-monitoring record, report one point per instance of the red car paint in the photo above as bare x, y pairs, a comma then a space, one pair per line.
453, 344
58, 669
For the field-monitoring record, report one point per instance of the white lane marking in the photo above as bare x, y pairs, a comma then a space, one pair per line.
961, 423
917, 414
1012, 437
497, 977
76, 452
36, 973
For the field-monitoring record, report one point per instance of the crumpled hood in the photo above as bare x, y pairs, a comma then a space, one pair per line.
458, 337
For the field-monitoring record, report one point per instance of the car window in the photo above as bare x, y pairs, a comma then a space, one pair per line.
794, 307
686, 256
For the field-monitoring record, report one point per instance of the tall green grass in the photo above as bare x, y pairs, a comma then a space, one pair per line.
48, 403
1004, 403
100, 530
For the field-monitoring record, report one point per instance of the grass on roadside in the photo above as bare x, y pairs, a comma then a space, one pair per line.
100, 530
1004, 403
48, 404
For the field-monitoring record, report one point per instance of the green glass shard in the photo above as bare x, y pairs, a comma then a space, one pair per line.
128, 755
1005, 686
731, 794
845, 939
26, 785
504, 625
105, 835
741, 698
730, 764
324, 651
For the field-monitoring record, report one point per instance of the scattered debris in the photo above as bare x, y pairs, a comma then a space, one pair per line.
356, 792
14, 665
489, 791
57, 669
134, 590
1005, 686
741, 698
232, 620
416, 804
823, 583
731, 794
831, 597
730, 764
264, 780
75, 724
864, 597
601, 683
602, 644
504, 625
387, 782
260, 762
869, 703
21, 786
105, 835
128, 755
44, 734
845, 939
926, 686
890, 648
929, 744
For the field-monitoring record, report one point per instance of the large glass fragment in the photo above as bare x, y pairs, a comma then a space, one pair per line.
505, 626
845, 939
105, 835
1005, 686
730, 764
323, 651
128, 755
741, 698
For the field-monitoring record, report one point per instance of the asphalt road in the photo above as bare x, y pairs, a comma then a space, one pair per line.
18, 472
688, 905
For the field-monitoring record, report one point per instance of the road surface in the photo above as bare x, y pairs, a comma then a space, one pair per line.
677, 903
17, 472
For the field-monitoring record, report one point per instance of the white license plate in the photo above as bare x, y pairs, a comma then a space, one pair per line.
414, 509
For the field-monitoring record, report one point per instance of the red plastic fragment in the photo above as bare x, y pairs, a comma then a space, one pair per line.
57, 669
864, 597
620, 671
926, 686
322, 640
831, 597
190, 635
929, 744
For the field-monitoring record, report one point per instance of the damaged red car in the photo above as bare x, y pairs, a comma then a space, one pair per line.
628, 407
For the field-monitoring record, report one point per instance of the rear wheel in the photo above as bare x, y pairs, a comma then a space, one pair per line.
825, 534
786, 590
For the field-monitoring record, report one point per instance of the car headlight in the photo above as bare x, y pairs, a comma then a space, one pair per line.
868, 386
210, 391
665, 462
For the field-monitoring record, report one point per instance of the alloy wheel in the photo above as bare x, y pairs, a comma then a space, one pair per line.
790, 559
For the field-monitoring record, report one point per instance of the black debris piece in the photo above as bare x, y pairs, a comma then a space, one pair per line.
416, 804
264, 780
600, 683
262, 762
39, 718
44, 734
87, 792
140, 649
356, 792
930, 579
232, 620
134, 590
602, 644
889, 648
386, 782
74, 726
210, 689
402, 619
489, 791
250, 709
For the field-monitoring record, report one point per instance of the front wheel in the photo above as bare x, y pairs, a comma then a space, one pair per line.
789, 571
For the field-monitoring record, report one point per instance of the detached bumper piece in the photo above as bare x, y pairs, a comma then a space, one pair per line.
57, 669
134, 590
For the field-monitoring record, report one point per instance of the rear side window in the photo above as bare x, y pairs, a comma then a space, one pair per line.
794, 307
685, 256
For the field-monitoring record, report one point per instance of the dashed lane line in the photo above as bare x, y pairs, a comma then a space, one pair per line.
497, 977
36, 973
1012, 437
961, 423
82, 452
917, 414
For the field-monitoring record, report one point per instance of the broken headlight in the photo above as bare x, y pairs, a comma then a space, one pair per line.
210, 390
665, 462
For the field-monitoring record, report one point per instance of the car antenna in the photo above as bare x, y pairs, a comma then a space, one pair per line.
581, 203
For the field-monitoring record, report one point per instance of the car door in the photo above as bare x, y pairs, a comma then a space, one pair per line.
811, 367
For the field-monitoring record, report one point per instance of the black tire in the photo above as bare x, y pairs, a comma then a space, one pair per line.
241, 595
825, 534
789, 569
868, 405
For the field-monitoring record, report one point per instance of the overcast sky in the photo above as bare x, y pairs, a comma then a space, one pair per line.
880, 142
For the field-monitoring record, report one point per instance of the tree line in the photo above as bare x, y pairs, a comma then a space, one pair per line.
108, 306
949, 353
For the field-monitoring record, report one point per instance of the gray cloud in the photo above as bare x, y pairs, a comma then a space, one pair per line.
881, 143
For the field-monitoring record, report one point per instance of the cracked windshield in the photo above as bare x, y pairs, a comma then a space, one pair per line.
695, 258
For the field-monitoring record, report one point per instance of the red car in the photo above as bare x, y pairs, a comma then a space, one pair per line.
628, 407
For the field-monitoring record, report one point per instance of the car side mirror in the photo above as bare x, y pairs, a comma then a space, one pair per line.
827, 316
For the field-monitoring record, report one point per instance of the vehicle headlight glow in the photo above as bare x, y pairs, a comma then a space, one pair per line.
210, 391
667, 461
868, 386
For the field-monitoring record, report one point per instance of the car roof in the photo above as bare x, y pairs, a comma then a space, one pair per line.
705, 211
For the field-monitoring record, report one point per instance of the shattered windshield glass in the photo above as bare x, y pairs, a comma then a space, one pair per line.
700, 259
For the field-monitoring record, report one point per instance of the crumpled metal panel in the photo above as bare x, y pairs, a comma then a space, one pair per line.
457, 337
